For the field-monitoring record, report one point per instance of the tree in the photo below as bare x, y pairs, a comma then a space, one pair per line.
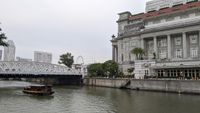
95, 70
139, 52
107, 69
130, 70
154, 55
110, 68
2, 39
66, 59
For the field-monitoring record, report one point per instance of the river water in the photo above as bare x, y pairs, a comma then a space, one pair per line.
74, 99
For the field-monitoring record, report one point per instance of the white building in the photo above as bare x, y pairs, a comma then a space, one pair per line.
155, 5
23, 59
171, 33
9, 52
42, 57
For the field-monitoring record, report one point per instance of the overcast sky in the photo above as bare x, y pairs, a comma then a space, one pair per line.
82, 27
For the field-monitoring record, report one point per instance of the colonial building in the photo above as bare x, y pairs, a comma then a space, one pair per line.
169, 30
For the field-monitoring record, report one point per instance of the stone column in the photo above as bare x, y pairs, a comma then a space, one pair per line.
113, 53
184, 46
116, 54
169, 46
142, 43
155, 46
199, 45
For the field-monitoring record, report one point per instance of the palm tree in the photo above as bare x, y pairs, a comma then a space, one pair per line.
139, 52
2, 39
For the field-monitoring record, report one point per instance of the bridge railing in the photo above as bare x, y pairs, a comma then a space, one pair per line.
36, 68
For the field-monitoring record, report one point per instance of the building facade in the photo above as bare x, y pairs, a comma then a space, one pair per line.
23, 59
42, 57
9, 52
170, 33
155, 5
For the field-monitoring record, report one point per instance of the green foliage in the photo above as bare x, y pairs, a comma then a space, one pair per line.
66, 59
130, 70
154, 55
110, 68
2, 39
107, 69
139, 52
95, 70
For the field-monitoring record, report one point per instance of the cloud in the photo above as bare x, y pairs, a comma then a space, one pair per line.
82, 27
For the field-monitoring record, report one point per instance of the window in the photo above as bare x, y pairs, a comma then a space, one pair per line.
122, 57
126, 46
163, 53
178, 53
133, 43
194, 52
146, 72
162, 42
122, 46
193, 39
150, 48
178, 41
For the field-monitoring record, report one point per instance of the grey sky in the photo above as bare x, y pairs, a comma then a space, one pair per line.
82, 27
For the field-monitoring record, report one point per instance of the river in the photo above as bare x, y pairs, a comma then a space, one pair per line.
75, 99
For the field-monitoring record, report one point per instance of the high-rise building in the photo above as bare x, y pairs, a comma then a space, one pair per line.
42, 57
9, 52
168, 34
23, 59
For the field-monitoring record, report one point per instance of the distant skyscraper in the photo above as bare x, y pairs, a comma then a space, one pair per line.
9, 52
42, 57
23, 59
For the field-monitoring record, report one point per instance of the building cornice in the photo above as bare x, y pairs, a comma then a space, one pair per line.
157, 29
166, 11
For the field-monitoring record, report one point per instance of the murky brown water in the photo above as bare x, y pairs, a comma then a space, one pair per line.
73, 99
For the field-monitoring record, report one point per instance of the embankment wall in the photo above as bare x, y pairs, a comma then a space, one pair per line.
176, 86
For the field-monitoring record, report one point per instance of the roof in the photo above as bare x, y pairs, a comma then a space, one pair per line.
166, 10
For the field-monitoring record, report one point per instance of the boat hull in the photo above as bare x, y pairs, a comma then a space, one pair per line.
38, 90
38, 93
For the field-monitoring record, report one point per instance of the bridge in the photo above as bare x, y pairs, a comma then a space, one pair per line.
30, 69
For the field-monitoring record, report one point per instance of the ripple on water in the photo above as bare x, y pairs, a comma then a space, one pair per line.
96, 100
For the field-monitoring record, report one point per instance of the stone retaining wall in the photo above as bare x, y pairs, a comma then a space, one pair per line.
176, 86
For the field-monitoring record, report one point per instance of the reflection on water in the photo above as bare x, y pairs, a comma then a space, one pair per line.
73, 99
14, 84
